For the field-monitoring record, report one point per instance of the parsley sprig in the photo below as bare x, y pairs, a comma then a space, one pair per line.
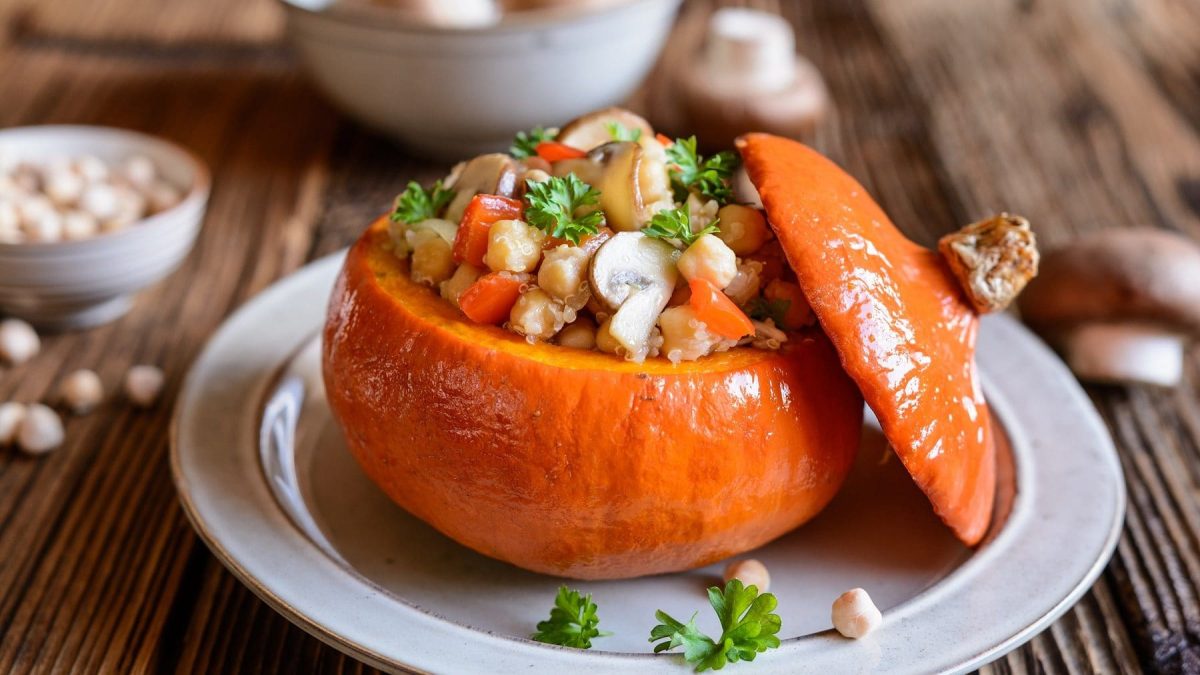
573, 621
709, 177
553, 203
676, 224
775, 310
416, 203
526, 142
620, 132
748, 626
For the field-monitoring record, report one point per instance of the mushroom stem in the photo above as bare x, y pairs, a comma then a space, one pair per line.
1125, 353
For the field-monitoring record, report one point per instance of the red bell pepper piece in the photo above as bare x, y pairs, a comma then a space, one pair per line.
553, 151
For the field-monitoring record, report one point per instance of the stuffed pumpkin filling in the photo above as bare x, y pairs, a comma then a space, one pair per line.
604, 235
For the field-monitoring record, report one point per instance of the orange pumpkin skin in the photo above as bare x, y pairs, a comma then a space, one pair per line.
576, 463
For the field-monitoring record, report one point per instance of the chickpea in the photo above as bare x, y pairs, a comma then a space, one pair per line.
143, 384
605, 341
452, 288
854, 614
709, 258
750, 572
514, 246
799, 313
40, 431
82, 391
743, 228
432, 260
563, 271
685, 338
536, 315
579, 335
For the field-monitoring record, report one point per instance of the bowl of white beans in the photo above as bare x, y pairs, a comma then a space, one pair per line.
89, 216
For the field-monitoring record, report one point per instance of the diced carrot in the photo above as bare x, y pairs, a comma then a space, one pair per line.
717, 311
470, 243
490, 299
665, 140
553, 151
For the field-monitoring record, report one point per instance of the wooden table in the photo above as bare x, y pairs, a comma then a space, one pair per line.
1080, 115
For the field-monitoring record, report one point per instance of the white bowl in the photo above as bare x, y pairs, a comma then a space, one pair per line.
451, 93
76, 284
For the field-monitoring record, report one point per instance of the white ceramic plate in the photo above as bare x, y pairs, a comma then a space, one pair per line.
323, 546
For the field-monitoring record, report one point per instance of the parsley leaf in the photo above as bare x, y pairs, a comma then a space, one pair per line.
573, 621
526, 142
676, 224
776, 310
748, 626
709, 177
620, 132
553, 203
416, 203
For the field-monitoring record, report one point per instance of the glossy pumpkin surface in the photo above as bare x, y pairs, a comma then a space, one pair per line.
571, 462
897, 317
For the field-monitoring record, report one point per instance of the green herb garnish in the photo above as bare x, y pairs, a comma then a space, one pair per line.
573, 621
552, 205
526, 142
748, 626
709, 177
676, 224
776, 310
416, 203
620, 132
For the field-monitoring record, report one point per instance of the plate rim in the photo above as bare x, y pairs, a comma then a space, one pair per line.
322, 272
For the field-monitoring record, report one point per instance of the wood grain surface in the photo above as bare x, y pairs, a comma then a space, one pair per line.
1079, 114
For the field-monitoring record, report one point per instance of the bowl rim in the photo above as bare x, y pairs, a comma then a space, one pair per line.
365, 15
195, 198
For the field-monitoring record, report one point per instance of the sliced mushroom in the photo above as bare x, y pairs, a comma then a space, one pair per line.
594, 129
492, 174
634, 275
633, 185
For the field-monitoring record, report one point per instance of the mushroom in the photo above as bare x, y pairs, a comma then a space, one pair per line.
748, 76
634, 275
492, 174
1120, 304
631, 187
992, 259
448, 13
595, 129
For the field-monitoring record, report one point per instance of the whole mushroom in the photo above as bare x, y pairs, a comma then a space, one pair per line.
1120, 304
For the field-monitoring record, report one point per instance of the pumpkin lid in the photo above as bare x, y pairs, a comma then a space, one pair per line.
899, 320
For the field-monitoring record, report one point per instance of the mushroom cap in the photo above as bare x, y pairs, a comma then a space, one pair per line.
1117, 276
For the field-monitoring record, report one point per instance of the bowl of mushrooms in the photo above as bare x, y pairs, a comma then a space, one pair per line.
88, 217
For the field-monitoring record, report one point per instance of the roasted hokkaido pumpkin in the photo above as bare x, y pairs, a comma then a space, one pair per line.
572, 462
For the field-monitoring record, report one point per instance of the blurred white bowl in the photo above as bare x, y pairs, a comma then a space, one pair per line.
75, 284
455, 92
